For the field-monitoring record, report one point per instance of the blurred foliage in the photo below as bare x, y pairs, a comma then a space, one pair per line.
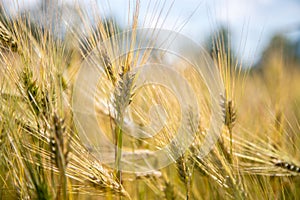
283, 49
220, 41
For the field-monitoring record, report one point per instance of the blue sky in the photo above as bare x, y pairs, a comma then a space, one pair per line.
252, 22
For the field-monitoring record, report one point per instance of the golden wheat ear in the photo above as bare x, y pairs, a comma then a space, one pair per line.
7, 38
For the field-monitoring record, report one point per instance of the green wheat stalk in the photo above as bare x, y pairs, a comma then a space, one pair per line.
122, 99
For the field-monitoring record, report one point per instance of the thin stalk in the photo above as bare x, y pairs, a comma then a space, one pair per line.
123, 95
230, 136
118, 156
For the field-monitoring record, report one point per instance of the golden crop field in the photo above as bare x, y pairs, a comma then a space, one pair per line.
143, 113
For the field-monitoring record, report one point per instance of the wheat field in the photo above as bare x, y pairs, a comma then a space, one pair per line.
45, 154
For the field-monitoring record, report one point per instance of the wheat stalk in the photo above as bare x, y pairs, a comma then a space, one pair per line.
122, 98
59, 144
185, 173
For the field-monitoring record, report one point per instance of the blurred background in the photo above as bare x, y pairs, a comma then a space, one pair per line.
255, 27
